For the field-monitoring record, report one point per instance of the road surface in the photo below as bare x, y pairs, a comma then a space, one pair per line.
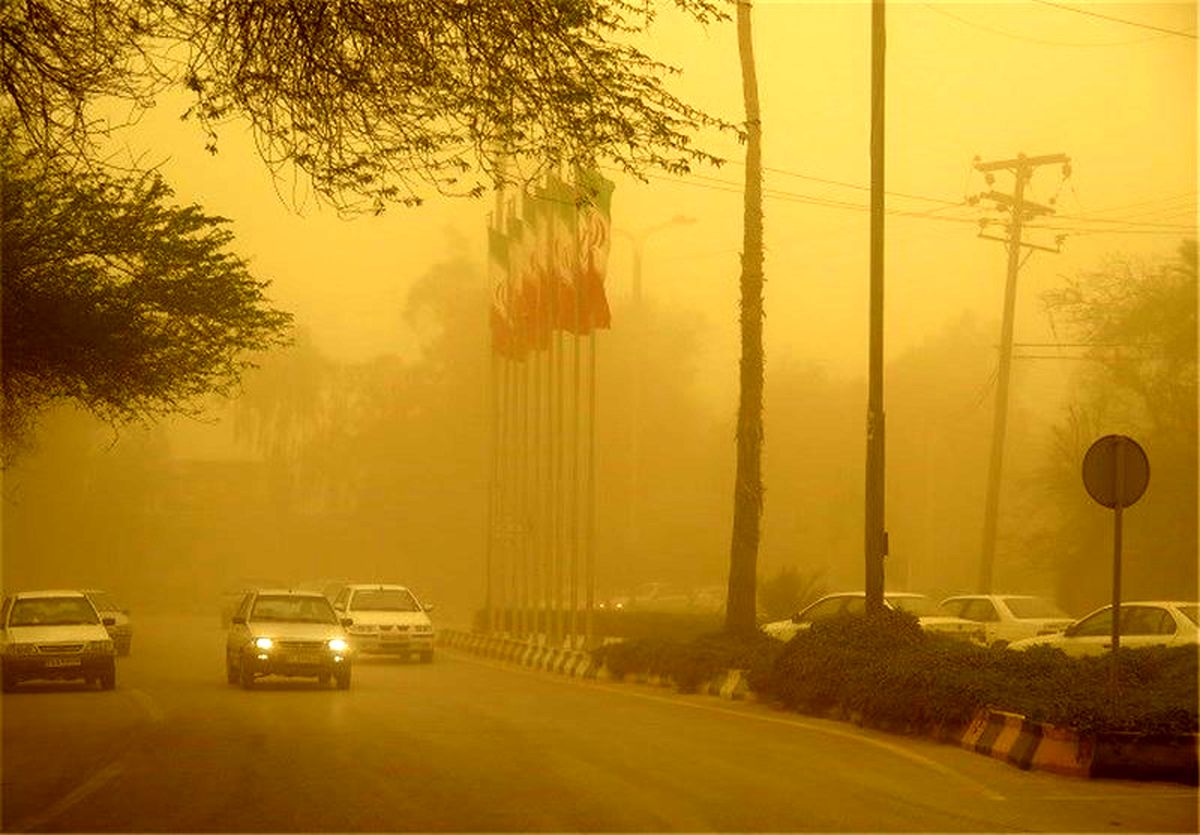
467, 745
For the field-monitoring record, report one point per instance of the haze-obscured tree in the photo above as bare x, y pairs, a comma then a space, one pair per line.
789, 590
1139, 319
117, 299
375, 102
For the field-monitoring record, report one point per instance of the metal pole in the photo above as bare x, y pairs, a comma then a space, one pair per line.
590, 546
1119, 466
875, 534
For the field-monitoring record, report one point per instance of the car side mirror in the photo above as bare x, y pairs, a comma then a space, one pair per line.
238, 619
347, 621
109, 621
1070, 631
428, 607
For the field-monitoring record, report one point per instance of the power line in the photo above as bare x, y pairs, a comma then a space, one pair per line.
1138, 24
731, 187
1042, 41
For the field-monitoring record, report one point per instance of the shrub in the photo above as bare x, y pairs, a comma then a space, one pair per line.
893, 675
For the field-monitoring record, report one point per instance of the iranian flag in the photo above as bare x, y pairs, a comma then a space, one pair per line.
593, 240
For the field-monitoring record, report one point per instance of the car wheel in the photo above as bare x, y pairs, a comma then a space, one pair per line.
343, 678
231, 672
247, 676
108, 678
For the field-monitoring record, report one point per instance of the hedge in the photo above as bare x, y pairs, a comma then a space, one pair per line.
889, 673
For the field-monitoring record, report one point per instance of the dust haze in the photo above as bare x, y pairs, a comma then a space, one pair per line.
361, 453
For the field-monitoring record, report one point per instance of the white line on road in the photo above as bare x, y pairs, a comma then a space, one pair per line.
90, 786
985, 790
147, 703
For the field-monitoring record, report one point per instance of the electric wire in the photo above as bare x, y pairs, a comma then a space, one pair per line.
1127, 22
1043, 41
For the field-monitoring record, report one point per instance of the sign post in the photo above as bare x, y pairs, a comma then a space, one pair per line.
1115, 473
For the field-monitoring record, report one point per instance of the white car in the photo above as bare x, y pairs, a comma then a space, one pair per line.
121, 630
55, 634
1008, 617
1144, 623
832, 605
284, 632
386, 619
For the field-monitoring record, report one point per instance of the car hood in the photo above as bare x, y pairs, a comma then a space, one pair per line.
369, 616
50, 634
295, 630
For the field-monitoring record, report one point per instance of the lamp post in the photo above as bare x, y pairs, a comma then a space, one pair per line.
638, 239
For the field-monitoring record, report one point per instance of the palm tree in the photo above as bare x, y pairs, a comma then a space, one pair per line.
748, 489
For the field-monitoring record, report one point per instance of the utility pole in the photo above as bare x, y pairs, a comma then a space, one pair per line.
1019, 210
875, 544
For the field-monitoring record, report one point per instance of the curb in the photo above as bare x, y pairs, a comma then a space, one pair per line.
1011, 737
1039, 746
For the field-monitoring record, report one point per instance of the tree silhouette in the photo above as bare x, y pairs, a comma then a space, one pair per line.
115, 298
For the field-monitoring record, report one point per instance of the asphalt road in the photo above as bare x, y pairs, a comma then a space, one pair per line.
465, 745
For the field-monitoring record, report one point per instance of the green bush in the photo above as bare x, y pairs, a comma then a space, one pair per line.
692, 663
891, 674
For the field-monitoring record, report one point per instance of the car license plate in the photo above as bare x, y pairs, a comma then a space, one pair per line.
303, 658
63, 662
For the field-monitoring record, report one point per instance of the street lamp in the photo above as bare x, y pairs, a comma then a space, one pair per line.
638, 239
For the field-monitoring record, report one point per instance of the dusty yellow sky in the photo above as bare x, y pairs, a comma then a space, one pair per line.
992, 79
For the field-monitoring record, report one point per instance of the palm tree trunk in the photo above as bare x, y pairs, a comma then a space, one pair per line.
748, 489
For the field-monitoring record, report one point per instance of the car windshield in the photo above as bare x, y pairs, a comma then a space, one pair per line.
1034, 607
52, 611
292, 607
384, 600
1190, 612
917, 605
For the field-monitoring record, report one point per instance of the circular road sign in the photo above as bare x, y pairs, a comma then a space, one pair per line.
1100, 471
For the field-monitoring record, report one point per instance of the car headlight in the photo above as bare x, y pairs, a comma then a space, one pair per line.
337, 645
263, 643
105, 646
21, 649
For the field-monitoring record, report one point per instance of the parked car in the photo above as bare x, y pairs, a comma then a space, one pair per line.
283, 632
668, 597
832, 605
386, 619
121, 630
1144, 623
1008, 617
55, 634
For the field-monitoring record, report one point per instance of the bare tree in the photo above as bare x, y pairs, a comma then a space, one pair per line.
376, 102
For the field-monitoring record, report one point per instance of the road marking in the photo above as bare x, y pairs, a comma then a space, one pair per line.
982, 788
899, 751
148, 704
89, 786
1104, 793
